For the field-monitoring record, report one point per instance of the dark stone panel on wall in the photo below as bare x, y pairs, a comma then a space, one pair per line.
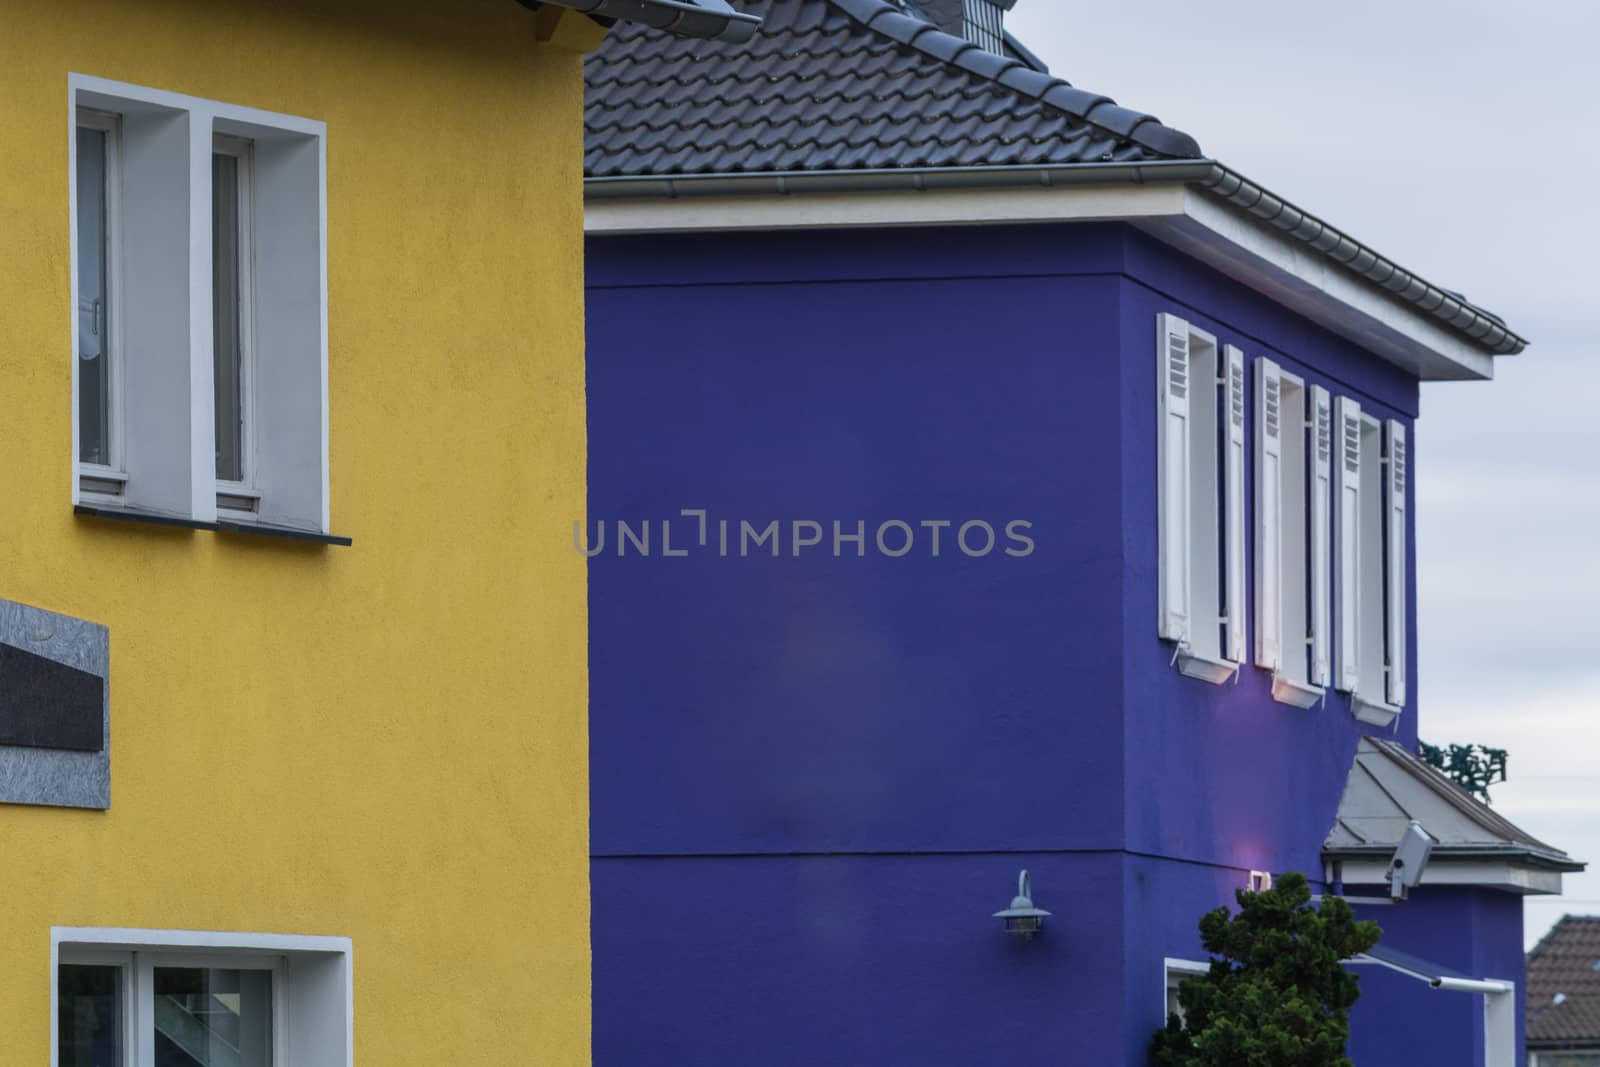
45, 704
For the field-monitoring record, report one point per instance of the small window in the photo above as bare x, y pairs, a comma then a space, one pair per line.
1371, 561
1200, 468
131, 998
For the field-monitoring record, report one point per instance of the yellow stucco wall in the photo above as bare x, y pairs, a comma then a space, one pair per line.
387, 741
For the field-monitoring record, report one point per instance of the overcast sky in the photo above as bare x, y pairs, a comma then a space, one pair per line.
1460, 139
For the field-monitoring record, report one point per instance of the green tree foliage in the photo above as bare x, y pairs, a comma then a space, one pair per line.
1277, 994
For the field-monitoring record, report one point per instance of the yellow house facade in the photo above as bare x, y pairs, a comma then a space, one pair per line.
292, 636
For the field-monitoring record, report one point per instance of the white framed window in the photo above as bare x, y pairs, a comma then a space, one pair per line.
1200, 513
1292, 471
1173, 972
1370, 567
217, 390
147, 998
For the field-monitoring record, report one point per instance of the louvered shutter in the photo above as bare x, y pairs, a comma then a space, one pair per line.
1321, 489
1395, 574
1172, 473
1347, 540
1269, 514
1233, 521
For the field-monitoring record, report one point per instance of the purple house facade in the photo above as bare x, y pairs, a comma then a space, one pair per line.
982, 479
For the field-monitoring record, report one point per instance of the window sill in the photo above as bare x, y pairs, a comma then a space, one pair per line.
285, 532
1378, 714
148, 518
1288, 691
1194, 665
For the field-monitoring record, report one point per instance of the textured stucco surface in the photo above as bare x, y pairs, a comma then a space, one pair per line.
50, 776
286, 713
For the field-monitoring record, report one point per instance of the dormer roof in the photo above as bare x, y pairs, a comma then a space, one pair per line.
1388, 787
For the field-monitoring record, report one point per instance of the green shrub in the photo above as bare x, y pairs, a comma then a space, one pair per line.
1277, 994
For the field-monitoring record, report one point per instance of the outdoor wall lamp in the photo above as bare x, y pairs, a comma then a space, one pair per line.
1022, 919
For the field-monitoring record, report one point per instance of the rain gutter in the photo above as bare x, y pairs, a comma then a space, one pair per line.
1209, 176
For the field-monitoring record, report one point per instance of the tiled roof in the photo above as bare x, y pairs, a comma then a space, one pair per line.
843, 85
1563, 980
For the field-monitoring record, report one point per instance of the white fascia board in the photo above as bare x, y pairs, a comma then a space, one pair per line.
933, 207
131, 938
1298, 277
1485, 873
1179, 215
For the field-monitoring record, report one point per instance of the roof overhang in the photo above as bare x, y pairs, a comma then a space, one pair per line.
1508, 872
711, 19
1197, 207
1389, 788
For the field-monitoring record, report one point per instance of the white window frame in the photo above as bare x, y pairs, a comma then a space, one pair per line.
139, 952
239, 499
101, 481
1285, 481
1200, 509
189, 488
1173, 971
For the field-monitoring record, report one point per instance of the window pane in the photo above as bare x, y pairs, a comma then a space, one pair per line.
89, 1016
208, 1017
225, 267
94, 378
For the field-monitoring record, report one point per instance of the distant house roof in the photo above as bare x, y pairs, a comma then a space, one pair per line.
844, 85
1563, 1006
835, 94
1388, 787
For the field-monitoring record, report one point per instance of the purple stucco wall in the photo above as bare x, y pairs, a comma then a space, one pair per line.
814, 777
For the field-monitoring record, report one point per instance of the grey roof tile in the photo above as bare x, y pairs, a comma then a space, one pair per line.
842, 85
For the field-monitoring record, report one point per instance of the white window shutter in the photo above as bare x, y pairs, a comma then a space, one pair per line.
1172, 474
1347, 539
1233, 517
1269, 514
1320, 621
1395, 574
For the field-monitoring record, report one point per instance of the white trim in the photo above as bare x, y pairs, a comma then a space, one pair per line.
1205, 668
206, 119
1376, 712
1248, 251
1286, 690
934, 207
1511, 875
1173, 967
142, 950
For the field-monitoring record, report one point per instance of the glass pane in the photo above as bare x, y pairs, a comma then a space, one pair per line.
209, 1017
225, 270
94, 377
89, 1016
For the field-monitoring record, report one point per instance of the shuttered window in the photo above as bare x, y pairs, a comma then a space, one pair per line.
1370, 562
1200, 470
1285, 529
